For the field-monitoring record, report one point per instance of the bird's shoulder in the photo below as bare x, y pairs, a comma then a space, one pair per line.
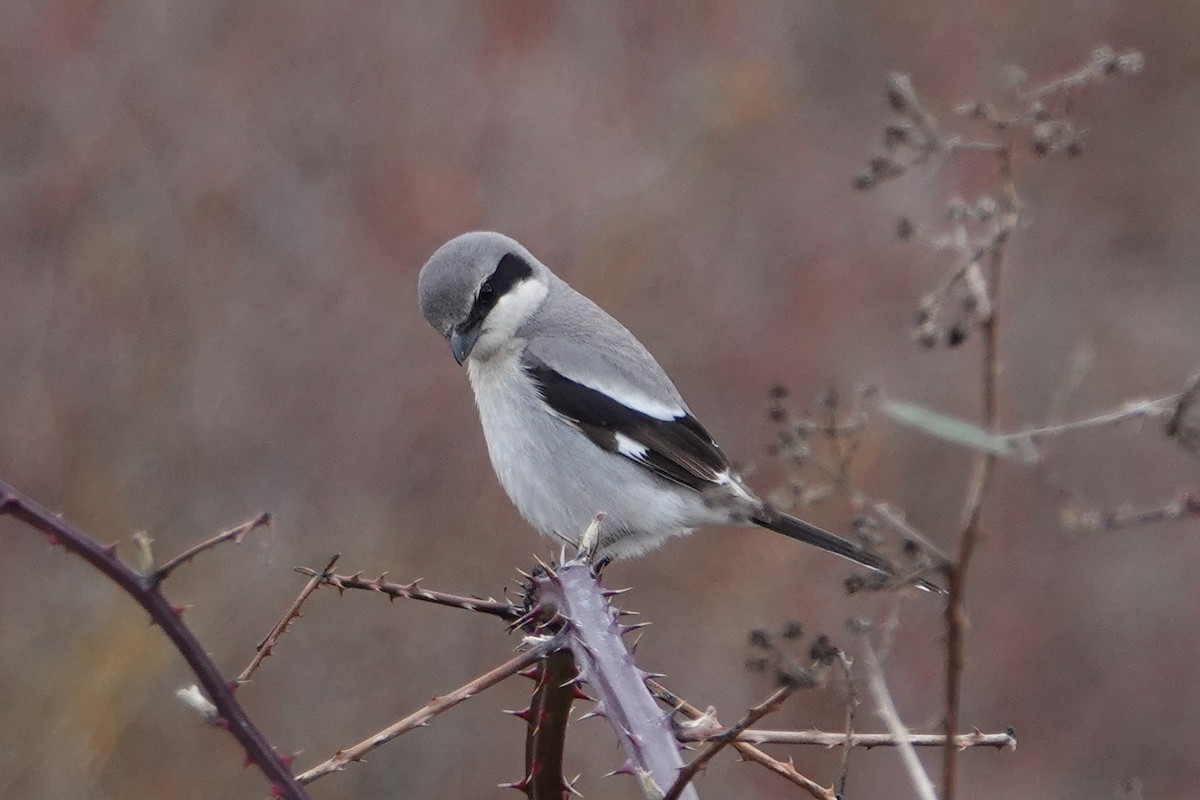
582, 343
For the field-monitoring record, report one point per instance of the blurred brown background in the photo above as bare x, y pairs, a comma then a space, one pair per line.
211, 219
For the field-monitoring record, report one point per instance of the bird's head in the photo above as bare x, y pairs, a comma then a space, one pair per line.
477, 289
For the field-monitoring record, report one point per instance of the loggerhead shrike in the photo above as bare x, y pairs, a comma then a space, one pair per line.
578, 416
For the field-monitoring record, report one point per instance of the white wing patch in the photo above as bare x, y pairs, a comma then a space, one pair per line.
630, 448
637, 401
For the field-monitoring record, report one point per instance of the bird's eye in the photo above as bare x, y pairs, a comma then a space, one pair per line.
486, 291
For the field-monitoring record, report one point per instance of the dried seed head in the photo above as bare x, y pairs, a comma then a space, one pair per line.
794, 676
792, 630
823, 651
895, 135
757, 663
985, 208
956, 335
900, 94
760, 638
1042, 138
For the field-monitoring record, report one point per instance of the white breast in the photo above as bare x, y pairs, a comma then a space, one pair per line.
559, 479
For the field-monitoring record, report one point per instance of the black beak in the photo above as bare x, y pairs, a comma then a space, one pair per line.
462, 342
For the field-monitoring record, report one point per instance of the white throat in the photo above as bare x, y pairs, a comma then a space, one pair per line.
509, 313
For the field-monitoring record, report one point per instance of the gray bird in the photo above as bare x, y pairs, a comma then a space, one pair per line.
579, 418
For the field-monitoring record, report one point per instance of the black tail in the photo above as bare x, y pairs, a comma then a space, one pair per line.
808, 533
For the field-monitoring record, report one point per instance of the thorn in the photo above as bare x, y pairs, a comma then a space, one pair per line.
624, 769
110, 551
550, 573
520, 785
624, 629
569, 786
616, 592
598, 711
178, 611
579, 694
276, 791
521, 713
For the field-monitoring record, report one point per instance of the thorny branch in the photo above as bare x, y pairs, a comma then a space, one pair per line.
747, 751
411, 591
848, 736
145, 590
235, 534
437, 705
867, 741
265, 648
718, 742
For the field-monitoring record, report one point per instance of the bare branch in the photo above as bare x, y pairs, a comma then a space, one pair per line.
891, 720
718, 742
749, 752
1133, 410
1087, 521
143, 589
425, 713
984, 467
1105, 62
867, 741
235, 534
264, 648
412, 591
851, 707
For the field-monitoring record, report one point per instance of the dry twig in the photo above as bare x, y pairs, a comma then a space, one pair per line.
411, 591
867, 741
891, 720
747, 751
235, 534
718, 742
146, 591
263, 649
437, 705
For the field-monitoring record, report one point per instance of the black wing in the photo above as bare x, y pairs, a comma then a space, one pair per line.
677, 449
